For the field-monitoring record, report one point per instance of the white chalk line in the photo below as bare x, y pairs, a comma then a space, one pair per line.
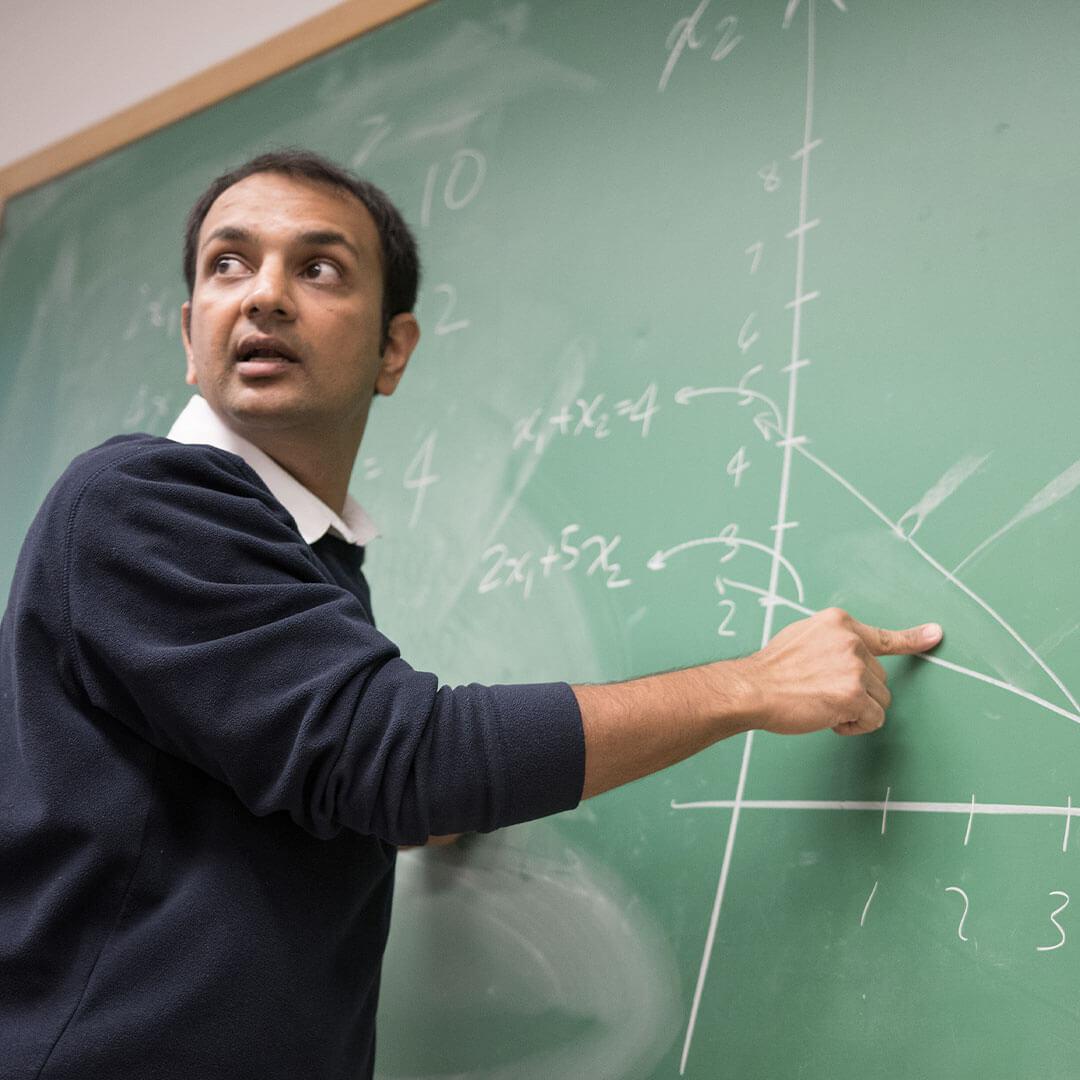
718, 900
937, 661
735, 542
778, 532
866, 906
688, 393
893, 806
878, 513
803, 228
798, 444
941, 490
1053, 492
802, 298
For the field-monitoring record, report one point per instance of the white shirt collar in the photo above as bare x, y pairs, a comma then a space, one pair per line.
198, 423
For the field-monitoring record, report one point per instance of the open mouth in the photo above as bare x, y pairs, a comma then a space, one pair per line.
263, 352
264, 357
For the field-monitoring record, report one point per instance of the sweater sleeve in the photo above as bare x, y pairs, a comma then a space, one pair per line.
199, 617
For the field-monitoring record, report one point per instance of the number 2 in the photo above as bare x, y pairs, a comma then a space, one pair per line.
443, 326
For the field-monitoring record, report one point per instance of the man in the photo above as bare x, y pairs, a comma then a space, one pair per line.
208, 754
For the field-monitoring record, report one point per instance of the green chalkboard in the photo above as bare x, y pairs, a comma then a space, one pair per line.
733, 309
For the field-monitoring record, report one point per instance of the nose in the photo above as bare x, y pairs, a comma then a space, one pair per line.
269, 294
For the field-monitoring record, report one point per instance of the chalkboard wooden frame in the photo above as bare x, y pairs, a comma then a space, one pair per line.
268, 58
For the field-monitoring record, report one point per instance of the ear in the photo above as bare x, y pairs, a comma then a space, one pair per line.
402, 337
191, 378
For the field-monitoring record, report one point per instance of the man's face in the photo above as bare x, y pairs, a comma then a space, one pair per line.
283, 329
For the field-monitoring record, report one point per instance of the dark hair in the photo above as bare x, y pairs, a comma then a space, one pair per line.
400, 259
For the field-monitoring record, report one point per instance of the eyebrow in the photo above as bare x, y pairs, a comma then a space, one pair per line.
233, 234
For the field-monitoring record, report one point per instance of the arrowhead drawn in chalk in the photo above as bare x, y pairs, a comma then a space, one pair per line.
764, 423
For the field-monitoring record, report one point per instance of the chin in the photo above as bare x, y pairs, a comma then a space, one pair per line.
265, 409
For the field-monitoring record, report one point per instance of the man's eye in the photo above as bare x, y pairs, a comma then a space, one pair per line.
227, 265
322, 270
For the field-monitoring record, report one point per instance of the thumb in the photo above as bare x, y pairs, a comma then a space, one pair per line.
917, 639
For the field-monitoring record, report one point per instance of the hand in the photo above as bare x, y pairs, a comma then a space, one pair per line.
822, 673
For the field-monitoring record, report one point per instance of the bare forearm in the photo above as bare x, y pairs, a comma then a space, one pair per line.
638, 727
820, 673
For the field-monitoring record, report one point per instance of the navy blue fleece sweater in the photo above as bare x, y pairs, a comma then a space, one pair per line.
207, 755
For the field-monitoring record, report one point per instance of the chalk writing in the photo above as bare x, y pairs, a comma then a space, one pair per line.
586, 417
464, 179
593, 555
419, 477
728, 606
684, 35
866, 906
1057, 926
963, 896
738, 464
770, 177
380, 128
445, 325
748, 337
160, 311
146, 409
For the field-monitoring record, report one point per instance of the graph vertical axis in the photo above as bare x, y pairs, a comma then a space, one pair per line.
779, 529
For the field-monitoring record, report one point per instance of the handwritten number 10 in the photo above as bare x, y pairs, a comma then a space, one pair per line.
468, 168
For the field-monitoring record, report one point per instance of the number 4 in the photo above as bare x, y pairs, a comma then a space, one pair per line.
738, 465
643, 409
419, 477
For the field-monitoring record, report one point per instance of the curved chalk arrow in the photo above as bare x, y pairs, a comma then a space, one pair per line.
660, 558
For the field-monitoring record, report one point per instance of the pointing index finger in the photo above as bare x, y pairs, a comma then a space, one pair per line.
916, 639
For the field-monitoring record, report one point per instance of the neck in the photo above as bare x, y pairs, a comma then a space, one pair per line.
323, 465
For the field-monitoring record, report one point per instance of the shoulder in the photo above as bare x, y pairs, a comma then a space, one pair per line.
151, 455
131, 475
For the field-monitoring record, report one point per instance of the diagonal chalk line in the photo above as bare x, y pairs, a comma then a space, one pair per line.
781, 601
799, 445
1062, 485
951, 578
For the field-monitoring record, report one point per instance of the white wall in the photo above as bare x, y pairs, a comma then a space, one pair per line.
66, 64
